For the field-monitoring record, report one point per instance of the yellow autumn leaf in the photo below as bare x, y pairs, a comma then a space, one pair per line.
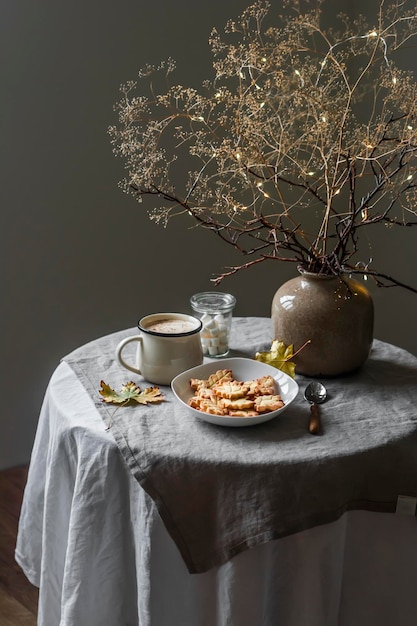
279, 356
129, 393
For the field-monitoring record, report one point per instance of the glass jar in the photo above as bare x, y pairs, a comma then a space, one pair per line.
215, 310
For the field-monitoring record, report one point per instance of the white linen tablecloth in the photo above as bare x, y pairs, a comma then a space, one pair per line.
93, 541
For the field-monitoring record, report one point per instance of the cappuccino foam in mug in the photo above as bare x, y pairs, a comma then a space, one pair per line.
170, 326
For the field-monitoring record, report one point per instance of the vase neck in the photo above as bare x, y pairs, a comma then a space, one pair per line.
315, 276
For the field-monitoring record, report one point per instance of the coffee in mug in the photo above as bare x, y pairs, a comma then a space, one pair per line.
169, 326
168, 344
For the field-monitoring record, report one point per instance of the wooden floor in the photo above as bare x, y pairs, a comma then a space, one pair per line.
18, 598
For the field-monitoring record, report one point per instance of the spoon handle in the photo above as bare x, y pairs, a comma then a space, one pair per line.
314, 423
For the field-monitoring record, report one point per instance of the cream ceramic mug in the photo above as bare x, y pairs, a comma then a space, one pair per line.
168, 344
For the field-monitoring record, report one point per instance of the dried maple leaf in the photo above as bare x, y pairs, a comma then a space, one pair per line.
129, 393
279, 356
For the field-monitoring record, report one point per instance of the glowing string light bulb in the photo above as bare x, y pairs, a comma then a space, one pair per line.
297, 73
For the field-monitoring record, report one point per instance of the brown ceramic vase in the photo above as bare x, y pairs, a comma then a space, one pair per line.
335, 314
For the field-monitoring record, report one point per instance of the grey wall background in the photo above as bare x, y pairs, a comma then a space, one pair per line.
79, 258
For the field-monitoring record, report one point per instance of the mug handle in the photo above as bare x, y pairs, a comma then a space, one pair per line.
119, 351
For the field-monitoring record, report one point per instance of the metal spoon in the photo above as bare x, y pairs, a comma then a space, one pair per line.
315, 393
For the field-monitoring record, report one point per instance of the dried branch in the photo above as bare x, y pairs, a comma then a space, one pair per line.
302, 138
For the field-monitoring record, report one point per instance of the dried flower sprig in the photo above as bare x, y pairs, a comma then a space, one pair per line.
304, 137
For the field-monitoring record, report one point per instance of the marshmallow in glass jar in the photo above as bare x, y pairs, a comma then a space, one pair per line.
215, 312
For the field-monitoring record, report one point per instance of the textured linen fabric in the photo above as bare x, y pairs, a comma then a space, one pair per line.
76, 538
222, 490
93, 541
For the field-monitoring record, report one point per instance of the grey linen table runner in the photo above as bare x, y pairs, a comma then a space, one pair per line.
222, 490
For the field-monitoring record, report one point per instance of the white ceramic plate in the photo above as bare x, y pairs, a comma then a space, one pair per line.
243, 369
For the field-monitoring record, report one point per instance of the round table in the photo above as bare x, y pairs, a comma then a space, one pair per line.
93, 540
